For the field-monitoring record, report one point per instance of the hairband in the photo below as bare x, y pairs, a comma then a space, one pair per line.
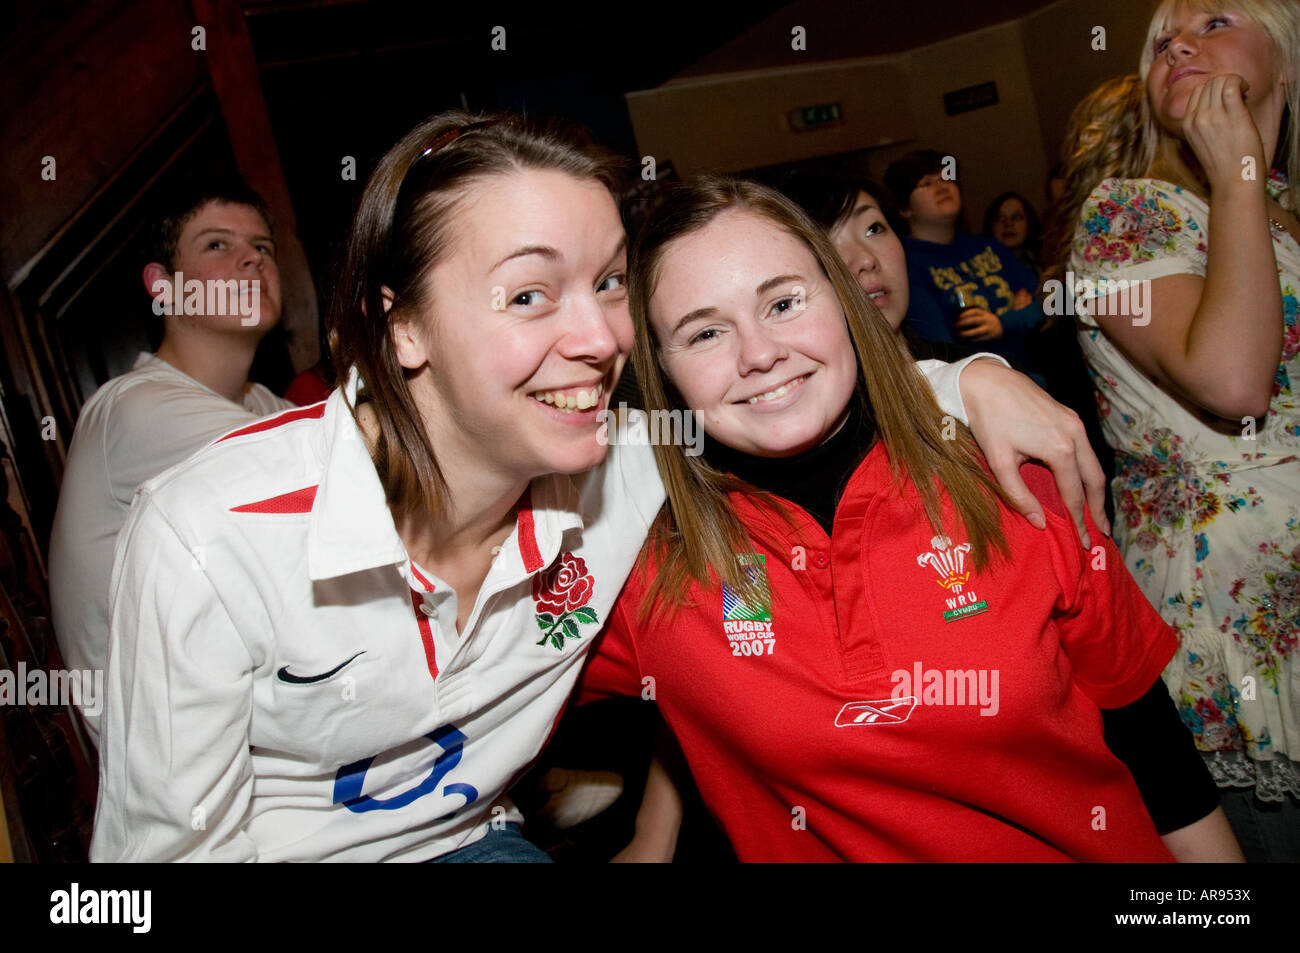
451, 135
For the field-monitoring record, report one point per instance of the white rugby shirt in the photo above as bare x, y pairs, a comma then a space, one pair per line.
284, 684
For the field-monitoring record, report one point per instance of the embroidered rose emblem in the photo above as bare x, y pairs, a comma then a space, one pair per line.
561, 594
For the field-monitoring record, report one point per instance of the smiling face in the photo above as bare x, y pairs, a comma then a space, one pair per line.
875, 256
1198, 45
1011, 224
753, 336
526, 327
224, 242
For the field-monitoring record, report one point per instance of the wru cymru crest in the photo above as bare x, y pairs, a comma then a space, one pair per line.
949, 562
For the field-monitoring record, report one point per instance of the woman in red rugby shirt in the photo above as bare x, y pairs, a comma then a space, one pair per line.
857, 664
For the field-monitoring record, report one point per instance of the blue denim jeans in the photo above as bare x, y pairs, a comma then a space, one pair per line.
504, 846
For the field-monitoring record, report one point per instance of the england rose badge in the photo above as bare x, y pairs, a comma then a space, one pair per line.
561, 594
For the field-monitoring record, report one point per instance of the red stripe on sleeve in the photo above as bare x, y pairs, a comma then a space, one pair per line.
299, 501
315, 411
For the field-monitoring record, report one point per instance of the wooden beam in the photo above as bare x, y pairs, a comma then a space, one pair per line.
84, 88
233, 70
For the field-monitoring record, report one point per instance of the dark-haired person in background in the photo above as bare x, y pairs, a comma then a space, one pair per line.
194, 389
1012, 221
963, 287
863, 224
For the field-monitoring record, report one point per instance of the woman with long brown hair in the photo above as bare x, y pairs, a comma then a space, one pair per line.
861, 653
326, 625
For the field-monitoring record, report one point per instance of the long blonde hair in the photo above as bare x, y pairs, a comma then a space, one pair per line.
1280, 19
698, 534
1110, 135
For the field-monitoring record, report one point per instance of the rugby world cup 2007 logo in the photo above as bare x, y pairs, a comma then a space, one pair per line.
747, 622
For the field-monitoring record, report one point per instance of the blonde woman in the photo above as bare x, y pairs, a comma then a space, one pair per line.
1195, 360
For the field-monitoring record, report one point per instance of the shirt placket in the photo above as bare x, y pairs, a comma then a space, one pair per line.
433, 606
423, 591
862, 651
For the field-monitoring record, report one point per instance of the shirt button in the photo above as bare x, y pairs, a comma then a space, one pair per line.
821, 560
429, 610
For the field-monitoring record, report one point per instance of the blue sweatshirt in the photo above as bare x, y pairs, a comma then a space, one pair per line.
987, 273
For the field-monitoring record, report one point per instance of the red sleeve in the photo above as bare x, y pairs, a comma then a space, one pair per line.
1116, 642
612, 667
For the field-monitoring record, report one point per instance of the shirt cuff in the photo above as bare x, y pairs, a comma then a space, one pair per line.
945, 379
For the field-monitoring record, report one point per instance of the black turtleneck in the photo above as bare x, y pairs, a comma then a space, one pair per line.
813, 479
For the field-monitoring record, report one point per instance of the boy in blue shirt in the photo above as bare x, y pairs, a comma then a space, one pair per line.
964, 288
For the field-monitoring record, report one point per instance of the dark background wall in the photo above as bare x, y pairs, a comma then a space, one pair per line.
889, 64
286, 90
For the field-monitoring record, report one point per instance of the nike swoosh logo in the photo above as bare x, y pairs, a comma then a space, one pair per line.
285, 675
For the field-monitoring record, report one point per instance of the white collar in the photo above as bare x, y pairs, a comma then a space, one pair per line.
351, 528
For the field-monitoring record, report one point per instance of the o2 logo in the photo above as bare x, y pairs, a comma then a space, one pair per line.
351, 778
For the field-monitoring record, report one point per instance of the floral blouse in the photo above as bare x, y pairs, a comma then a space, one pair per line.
1208, 510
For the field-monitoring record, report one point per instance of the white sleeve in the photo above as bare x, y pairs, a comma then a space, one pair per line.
944, 379
634, 458
153, 427
175, 776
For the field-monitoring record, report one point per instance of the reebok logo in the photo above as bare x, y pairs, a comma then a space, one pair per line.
886, 711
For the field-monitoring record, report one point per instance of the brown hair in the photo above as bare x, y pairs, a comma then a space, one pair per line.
1281, 21
164, 233
403, 228
698, 534
1110, 135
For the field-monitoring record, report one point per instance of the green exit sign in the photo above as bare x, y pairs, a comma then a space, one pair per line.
815, 117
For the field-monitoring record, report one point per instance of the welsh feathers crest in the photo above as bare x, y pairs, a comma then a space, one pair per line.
948, 561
